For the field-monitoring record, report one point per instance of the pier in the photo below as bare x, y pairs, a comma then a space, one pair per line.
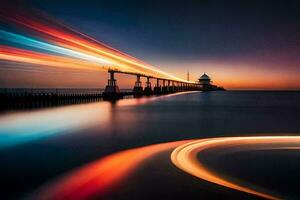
111, 92
23, 98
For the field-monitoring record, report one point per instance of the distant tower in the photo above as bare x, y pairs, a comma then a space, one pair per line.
188, 76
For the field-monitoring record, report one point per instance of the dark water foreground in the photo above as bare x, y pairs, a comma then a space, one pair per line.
38, 146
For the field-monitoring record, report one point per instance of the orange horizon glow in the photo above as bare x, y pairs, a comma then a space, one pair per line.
264, 71
242, 75
236, 74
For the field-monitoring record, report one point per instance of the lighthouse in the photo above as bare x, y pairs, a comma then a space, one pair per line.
205, 82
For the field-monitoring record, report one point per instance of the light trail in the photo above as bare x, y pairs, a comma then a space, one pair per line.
97, 178
71, 41
54, 38
185, 156
25, 56
23, 40
100, 177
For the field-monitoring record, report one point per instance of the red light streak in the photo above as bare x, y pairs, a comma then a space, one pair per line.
64, 36
97, 178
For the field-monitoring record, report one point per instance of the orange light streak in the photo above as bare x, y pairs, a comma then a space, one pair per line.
185, 156
123, 62
20, 55
95, 179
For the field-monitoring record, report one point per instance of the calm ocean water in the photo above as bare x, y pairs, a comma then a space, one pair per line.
39, 145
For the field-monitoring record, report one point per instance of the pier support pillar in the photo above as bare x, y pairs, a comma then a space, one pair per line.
178, 89
164, 88
112, 90
172, 88
148, 89
175, 86
138, 89
157, 88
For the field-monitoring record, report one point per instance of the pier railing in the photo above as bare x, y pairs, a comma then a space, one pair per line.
52, 93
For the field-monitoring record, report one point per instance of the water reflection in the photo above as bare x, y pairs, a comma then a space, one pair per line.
57, 140
186, 157
143, 100
24, 126
99, 177
20, 127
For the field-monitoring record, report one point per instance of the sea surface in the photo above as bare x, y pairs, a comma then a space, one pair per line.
42, 149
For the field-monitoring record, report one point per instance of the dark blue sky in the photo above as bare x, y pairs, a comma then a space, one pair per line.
184, 29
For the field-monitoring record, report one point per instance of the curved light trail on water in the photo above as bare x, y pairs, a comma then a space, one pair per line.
97, 178
100, 177
185, 156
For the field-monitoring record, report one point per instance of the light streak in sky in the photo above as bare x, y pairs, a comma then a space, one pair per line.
100, 177
20, 55
51, 37
71, 41
19, 39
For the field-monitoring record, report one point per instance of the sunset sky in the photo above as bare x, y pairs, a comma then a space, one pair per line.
240, 44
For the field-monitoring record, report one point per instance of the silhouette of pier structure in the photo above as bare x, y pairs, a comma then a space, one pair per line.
162, 86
